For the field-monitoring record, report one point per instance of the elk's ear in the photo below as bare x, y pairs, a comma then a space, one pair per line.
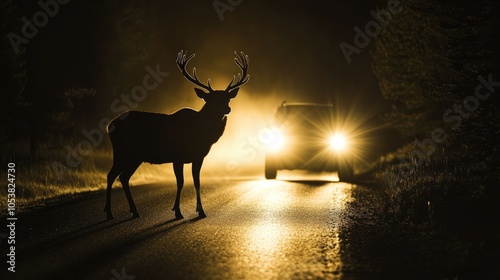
201, 94
233, 93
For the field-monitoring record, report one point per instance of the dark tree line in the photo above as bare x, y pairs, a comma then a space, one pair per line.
430, 61
55, 80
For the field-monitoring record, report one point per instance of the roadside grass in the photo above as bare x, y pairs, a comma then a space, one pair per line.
442, 210
447, 181
461, 249
49, 176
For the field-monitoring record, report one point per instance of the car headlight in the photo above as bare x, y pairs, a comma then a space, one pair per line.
277, 141
337, 142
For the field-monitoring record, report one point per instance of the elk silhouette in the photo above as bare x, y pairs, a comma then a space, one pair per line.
185, 136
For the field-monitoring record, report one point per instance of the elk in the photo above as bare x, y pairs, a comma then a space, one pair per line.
185, 136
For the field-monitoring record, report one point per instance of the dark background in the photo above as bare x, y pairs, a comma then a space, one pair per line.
99, 50
393, 95
426, 60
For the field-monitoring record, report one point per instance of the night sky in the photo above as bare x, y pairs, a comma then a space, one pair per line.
293, 47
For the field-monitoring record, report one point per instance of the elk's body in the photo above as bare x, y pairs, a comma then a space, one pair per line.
185, 136
149, 137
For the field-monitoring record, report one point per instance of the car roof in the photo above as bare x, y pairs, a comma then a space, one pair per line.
305, 104
303, 109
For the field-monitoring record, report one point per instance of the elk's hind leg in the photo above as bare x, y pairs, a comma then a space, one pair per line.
179, 176
124, 179
196, 179
113, 173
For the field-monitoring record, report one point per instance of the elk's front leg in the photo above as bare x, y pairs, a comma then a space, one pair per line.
196, 179
179, 176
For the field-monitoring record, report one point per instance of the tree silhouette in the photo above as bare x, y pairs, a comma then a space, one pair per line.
428, 61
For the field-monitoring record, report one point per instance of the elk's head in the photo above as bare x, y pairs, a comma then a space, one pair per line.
217, 101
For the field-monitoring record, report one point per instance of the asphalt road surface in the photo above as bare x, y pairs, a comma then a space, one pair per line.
254, 229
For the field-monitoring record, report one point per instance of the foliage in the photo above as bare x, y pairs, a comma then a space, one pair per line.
39, 182
50, 93
429, 57
428, 61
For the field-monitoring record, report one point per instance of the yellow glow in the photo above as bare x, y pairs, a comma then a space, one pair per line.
286, 217
267, 239
277, 141
272, 196
338, 142
264, 238
242, 148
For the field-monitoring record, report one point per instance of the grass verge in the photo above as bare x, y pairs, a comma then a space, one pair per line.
49, 177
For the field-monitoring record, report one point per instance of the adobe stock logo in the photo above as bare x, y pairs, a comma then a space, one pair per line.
40, 19
372, 29
227, 6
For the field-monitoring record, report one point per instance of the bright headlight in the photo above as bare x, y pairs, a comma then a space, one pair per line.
277, 141
337, 142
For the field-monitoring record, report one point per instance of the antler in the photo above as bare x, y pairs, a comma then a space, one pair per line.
182, 61
243, 77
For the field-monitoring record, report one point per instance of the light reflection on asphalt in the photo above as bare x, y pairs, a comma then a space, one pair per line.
256, 229
293, 231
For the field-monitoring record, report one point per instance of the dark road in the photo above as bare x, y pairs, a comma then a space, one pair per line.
255, 229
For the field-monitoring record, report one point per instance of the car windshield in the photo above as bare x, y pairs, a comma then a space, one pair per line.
304, 116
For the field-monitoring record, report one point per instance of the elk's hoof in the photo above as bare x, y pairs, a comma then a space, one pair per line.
135, 214
178, 215
109, 215
201, 214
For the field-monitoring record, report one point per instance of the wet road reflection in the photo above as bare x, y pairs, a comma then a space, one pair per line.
255, 229
293, 231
